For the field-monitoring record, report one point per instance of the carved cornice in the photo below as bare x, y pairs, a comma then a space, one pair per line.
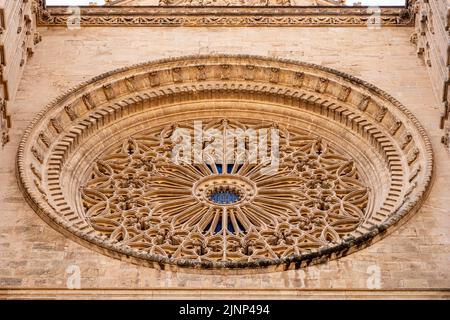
227, 16
218, 3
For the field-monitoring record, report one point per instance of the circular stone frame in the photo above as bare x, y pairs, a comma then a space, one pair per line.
59, 137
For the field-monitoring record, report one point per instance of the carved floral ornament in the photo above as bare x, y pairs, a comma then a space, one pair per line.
98, 164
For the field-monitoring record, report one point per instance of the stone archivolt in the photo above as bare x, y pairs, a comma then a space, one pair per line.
95, 164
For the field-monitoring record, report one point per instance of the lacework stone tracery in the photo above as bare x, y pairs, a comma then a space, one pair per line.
217, 211
95, 165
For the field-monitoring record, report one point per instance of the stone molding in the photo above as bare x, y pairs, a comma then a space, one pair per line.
222, 294
238, 3
165, 16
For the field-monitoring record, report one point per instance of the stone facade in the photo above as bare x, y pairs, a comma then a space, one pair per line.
18, 36
412, 261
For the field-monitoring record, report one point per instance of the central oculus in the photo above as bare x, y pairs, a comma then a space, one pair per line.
224, 190
224, 196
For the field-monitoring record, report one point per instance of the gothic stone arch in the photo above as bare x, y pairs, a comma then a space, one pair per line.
353, 162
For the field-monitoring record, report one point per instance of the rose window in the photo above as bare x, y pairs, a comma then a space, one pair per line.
295, 164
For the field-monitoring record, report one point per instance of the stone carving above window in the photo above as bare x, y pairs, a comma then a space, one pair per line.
103, 165
332, 14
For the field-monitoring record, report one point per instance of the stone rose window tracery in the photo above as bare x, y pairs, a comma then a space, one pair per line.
351, 163
139, 197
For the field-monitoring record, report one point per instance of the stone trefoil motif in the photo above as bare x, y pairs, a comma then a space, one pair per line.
215, 211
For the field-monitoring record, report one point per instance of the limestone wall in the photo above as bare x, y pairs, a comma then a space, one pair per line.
432, 40
413, 261
18, 37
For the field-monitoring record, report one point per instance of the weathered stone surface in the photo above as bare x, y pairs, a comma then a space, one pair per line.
414, 256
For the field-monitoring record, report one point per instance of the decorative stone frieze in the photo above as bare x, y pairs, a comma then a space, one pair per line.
242, 16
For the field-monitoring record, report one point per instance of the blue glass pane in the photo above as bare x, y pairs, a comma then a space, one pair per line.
218, 226
224, 197
219, 167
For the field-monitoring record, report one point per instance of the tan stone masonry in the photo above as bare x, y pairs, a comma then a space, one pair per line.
412, 260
